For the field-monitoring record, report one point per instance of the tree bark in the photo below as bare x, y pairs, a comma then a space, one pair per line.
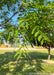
49, 53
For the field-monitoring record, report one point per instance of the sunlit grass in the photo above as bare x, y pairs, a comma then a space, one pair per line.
24, 66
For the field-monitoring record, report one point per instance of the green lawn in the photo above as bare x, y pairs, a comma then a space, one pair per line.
25, 66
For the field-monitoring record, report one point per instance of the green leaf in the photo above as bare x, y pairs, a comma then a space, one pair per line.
27, 53
19, 55
39, 38
46, 38
42, 42
18, 52
16, 33
9, 37
36, 34
33, 30
24, 54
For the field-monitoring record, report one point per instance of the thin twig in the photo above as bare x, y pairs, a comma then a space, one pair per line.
12, 16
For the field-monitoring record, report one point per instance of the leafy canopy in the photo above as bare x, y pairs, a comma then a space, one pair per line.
38, 22
34, 23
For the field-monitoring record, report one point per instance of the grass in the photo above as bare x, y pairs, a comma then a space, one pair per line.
25, 66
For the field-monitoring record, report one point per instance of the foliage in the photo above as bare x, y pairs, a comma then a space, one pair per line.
35, 22
38, 22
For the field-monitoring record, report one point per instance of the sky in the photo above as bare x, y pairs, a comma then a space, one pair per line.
9, 15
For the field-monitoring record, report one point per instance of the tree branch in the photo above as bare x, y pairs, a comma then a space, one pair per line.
12, 16
1, 1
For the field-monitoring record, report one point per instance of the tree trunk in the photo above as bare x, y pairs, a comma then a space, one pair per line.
49, 53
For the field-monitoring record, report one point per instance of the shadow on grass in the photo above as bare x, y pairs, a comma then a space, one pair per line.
9, 65
39, 55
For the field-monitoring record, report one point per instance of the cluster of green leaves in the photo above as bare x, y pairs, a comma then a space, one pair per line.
9, 33
20, 53
38, 21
